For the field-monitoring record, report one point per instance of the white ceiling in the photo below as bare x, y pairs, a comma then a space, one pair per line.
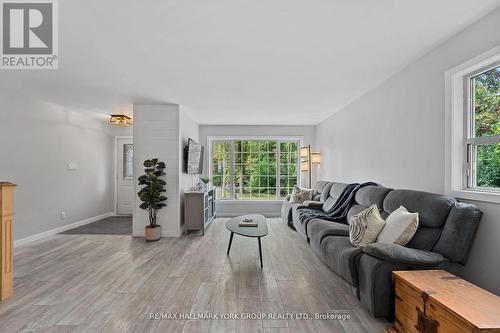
239, 61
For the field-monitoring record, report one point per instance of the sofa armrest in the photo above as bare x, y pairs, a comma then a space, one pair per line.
404, 255
312, 204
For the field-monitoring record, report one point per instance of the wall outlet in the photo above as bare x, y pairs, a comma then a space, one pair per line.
63, 215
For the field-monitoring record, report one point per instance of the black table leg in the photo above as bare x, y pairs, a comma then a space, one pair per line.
230, 241
260, 253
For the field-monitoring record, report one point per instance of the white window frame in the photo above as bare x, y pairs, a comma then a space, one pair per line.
457, 132
211, 139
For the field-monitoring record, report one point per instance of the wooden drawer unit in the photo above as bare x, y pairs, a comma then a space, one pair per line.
438, 302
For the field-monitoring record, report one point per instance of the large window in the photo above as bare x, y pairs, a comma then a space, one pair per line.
254, 169
482, 125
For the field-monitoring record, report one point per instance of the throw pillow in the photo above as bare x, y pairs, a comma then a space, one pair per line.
300, 194
365, 226
400, 227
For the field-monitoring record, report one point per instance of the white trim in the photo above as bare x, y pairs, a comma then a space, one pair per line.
249, 201
54, 231
170, 233
454, 128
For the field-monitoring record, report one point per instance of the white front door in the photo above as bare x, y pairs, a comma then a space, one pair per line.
125, 176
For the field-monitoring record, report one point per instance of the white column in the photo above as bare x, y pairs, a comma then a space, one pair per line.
156, 135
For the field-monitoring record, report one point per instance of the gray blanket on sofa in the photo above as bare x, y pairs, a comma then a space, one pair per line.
338, 213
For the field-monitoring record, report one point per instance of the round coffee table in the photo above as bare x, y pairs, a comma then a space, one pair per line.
259, 231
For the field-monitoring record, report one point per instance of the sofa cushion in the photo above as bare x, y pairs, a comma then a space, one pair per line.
372, 195
400, 227
319, 186
404, 255
341, 257
432, 208
365, 227
326, 192
367, 196
318, 229
298, 224
425, 238
312, 204
458, 232
335, 192
320, 190
286, 212
301, 194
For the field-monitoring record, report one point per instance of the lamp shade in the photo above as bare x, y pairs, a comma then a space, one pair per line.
315, 158
304, 152
304, 166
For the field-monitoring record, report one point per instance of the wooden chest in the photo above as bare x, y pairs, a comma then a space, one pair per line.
439, 302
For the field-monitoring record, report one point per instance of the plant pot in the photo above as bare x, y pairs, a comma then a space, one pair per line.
152, 234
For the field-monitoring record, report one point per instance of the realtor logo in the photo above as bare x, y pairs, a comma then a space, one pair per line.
29, 34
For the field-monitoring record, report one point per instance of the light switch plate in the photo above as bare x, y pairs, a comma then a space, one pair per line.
72, 166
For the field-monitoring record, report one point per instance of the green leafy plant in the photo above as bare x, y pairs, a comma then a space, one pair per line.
151, 194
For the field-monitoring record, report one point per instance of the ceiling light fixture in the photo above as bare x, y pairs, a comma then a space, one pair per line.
120, 120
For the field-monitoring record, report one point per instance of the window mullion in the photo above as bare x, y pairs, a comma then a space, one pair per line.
483, 140
473, 165
278, 164
231, 169
297, 163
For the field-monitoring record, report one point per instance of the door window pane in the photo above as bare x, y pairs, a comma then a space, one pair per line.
128, 160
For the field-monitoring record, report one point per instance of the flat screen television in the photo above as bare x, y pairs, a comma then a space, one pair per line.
193, 155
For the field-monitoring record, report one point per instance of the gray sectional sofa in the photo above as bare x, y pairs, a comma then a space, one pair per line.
443, 239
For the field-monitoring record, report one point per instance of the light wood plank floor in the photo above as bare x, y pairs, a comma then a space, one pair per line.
105, 283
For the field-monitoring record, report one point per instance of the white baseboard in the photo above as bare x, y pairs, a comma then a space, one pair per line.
170, 233
54, 231
164, 233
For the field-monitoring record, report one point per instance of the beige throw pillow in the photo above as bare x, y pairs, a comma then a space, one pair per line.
365, 226
400, 227
299, 194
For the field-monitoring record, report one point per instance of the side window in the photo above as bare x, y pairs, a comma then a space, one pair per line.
128, 160
482, 125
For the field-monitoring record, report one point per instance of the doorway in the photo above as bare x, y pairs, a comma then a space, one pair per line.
124, 175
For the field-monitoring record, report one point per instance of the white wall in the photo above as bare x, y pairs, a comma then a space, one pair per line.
37, 140
157, 135
270, 208
188, 129
120, 131
395, 135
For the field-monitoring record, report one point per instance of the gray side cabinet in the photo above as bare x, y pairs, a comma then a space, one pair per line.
199, 210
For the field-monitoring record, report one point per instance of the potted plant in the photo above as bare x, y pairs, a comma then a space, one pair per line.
152, 196
203, 184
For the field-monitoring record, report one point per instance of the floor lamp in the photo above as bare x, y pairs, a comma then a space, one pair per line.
307, 160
